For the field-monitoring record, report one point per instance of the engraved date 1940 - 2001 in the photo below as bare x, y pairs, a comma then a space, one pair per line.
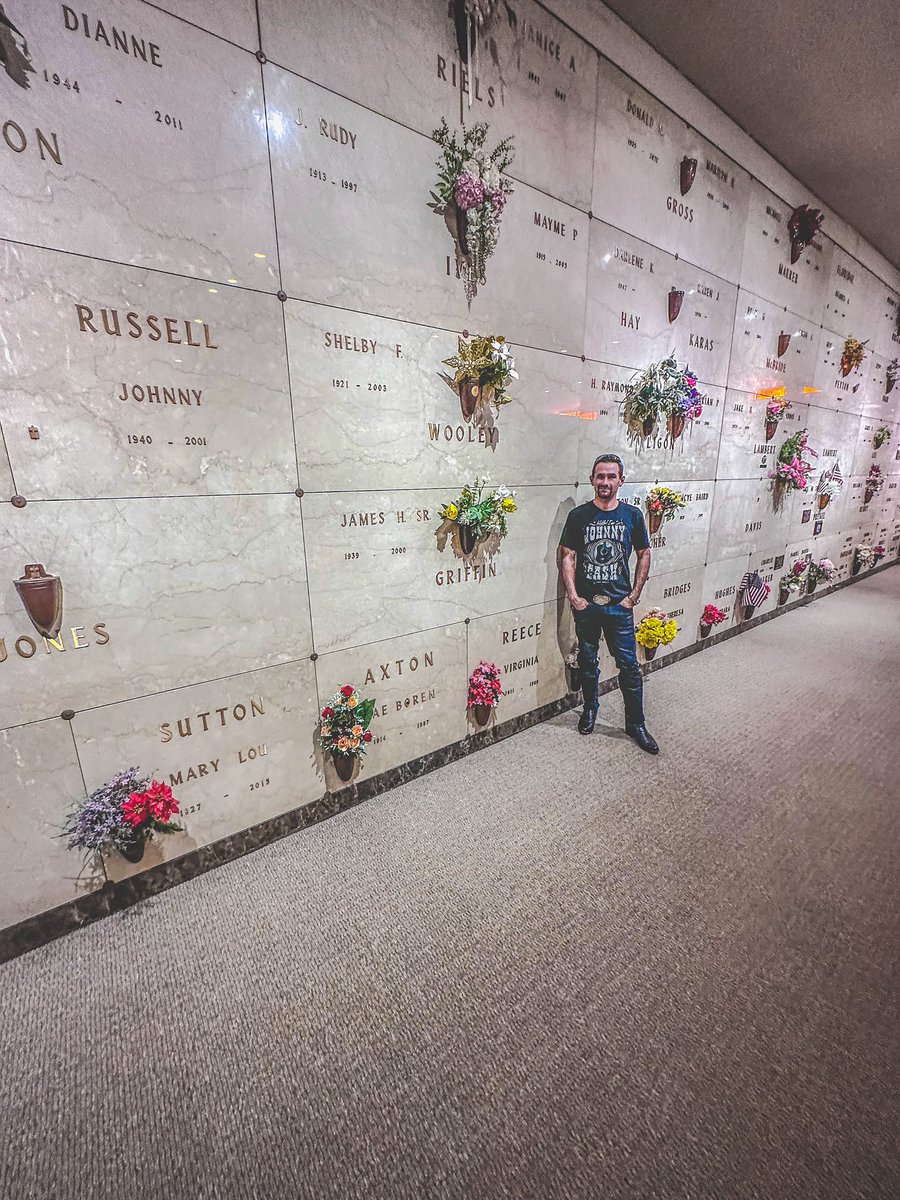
146, 439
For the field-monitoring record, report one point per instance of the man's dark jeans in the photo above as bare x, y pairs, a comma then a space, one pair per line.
616, 624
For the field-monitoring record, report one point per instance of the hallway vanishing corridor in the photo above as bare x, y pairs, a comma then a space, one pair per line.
556, 969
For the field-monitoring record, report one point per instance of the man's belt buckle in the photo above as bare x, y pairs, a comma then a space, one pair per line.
601, 599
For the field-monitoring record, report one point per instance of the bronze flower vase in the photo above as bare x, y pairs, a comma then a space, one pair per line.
468, 539
481, 713
705, 630
654, 522
648, 426
846, 366
749, 610
823, 502
811, 585
869, 496
343, 765
676, 426
649, 651
469, 393
133, 850
771, 426
783, 596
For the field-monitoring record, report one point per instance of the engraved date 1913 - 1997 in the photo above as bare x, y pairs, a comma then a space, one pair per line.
347, 185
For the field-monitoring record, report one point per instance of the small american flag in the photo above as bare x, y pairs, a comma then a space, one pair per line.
752, 591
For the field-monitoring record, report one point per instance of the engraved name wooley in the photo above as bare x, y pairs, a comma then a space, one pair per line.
178, 331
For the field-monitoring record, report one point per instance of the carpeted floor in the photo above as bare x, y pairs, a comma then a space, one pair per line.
559, 969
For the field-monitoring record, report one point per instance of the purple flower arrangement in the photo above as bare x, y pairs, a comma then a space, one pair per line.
97, 822
471, 193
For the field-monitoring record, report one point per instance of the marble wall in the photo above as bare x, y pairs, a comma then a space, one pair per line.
222, 425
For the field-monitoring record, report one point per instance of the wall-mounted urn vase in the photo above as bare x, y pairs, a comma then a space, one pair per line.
42, 598
676, 299
686, 174
784, 340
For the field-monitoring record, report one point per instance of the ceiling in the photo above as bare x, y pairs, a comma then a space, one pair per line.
814, 83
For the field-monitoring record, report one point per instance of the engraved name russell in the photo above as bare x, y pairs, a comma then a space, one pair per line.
154, 328
116, 39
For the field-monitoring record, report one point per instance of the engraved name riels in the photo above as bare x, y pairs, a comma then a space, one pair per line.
550, 49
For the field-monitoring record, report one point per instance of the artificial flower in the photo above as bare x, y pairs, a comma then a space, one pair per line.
352, 702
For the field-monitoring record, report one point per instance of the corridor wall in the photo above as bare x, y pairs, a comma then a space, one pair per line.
226, 304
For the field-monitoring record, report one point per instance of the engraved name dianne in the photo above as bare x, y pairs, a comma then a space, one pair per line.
119, 40
154, 328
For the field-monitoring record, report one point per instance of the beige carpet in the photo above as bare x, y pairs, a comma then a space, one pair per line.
559, 969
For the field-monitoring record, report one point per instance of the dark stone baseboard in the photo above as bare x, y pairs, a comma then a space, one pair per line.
116, 896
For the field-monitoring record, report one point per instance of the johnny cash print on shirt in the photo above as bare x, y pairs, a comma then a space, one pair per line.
603, 542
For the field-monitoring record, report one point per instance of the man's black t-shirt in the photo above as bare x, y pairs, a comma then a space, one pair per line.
603, 542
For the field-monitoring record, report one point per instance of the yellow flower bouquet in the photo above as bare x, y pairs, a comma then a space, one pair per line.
656, 629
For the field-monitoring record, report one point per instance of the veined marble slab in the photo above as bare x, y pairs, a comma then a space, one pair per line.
41, 783
681, 542
744, 451
532, 77
766, 267
529, 645
419, 684
235, 752
680, 594
352, 234
692, 456
368, 391
637, 179
383, 564
744, 520
136, 383
756, 364
231, 19
627, 322
156, 594
135, 137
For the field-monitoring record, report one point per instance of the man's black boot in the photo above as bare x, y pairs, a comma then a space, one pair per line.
586, 721
639, 734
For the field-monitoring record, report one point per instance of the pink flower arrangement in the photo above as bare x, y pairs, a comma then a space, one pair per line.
484, 685
468, 191
792, 469
879, 552
713, 616
799, 567
156, 803
776, 408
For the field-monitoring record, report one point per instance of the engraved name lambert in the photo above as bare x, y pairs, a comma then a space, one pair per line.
156, 329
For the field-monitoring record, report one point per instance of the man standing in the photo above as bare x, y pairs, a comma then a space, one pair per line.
596, 544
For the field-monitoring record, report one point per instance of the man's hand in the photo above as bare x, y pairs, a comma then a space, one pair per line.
629, 602
579, 604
